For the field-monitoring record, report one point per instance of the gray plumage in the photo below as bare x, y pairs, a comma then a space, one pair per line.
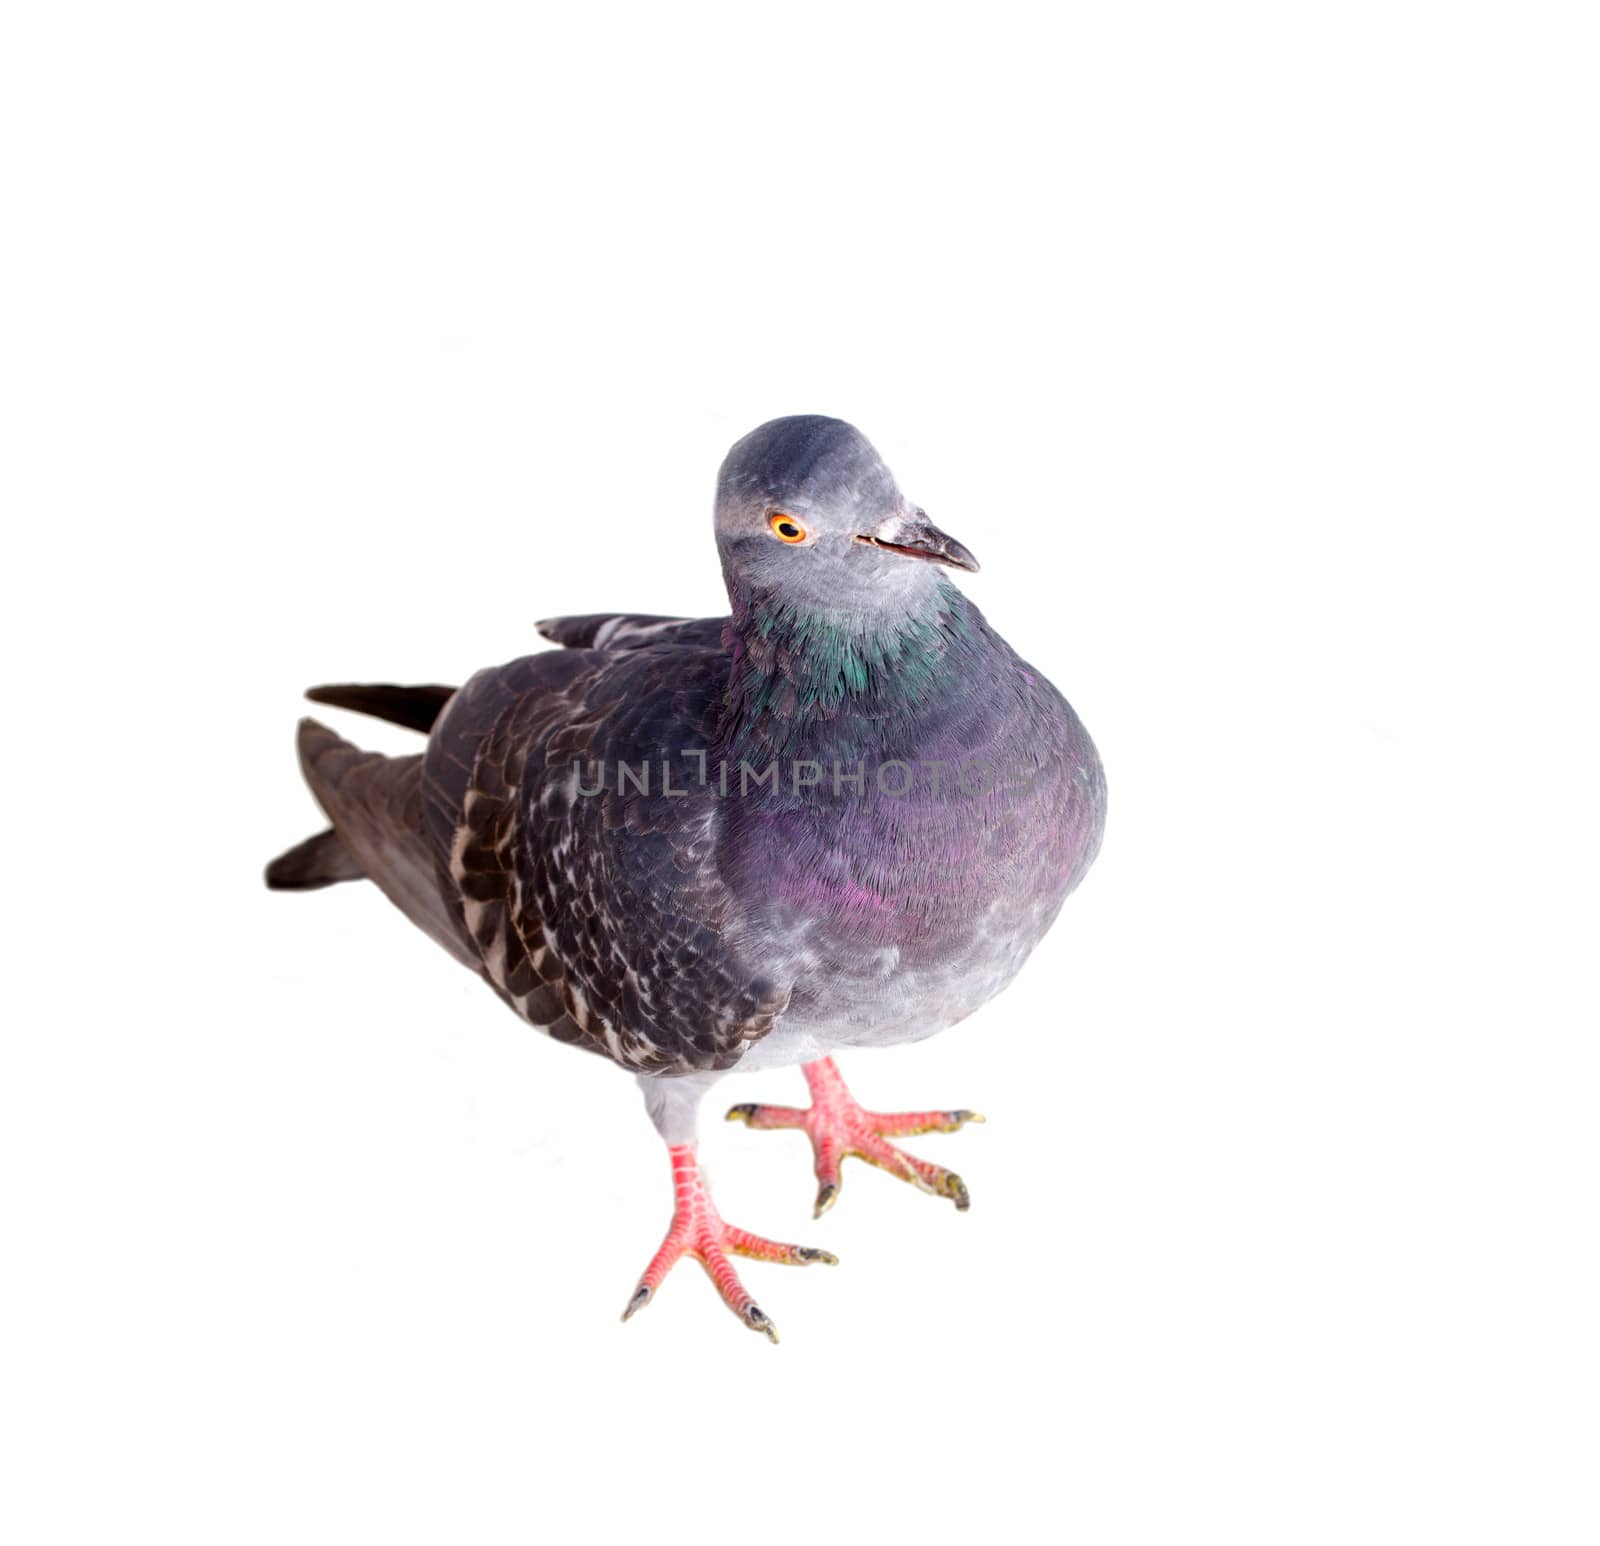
684, 924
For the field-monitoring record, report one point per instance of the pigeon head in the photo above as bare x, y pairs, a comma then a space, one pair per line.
807, 511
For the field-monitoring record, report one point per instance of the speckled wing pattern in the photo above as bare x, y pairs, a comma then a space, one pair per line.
595, 906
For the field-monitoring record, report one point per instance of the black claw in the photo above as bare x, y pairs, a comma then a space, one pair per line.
741, 1113
827, 1193
756, 1317
956, 1190
809, 1254
641, 1297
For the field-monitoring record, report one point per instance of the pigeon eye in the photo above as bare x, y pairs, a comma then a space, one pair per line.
785, 527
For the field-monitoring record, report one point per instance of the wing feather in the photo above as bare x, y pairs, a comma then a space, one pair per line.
594, 902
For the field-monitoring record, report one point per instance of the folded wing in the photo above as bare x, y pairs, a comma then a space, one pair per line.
591, 896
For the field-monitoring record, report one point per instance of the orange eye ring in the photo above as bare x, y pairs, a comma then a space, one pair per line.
785, 527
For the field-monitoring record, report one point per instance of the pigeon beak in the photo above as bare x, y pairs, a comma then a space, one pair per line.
915, 536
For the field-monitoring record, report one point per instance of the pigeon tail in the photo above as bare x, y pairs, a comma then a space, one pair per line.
414, 707
322, 860
325, 859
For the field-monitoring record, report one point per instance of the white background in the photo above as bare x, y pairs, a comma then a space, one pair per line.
1253, 350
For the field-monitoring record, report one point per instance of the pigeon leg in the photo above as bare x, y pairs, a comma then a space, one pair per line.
838, 1126
697, 1230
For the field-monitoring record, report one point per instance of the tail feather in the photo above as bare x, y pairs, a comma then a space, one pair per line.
375, 805
322, 860
414, 707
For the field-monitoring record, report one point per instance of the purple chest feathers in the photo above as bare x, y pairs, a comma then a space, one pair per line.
925, 842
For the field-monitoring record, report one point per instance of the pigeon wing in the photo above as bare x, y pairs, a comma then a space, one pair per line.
631, 631
592, 894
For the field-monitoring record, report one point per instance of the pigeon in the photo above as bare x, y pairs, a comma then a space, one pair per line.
841, 816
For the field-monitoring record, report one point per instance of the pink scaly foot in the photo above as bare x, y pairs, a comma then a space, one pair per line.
837, 1127
698, 1231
